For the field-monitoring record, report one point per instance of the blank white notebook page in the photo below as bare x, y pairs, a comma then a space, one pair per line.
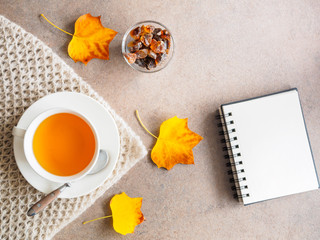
274, 146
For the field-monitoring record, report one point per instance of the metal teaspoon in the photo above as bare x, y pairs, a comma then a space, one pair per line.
45, 201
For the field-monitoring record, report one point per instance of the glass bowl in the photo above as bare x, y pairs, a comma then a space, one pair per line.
127, 39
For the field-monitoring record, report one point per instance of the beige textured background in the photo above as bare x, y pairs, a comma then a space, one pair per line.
225, 51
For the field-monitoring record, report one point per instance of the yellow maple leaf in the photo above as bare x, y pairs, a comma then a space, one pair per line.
126, 213
90, 39
174, 144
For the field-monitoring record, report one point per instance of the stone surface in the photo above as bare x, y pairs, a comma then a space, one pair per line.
224, 51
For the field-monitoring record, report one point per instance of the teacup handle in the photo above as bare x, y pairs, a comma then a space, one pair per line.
18, 132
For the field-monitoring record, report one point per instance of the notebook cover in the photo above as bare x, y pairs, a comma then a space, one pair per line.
288, 103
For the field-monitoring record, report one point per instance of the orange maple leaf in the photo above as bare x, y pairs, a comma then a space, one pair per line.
126, 213
174, 144
90, 39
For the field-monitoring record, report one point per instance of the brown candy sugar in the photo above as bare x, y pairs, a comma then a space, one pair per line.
149, 47
135, 33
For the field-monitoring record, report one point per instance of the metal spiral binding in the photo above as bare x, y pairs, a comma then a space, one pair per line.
230, 147
229, 164
231, 172
226, 123
234, 188
221, 133
219, 117
241, 195
227, 156
238, 180
229, 140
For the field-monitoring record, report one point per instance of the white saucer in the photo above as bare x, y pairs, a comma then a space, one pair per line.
101, 119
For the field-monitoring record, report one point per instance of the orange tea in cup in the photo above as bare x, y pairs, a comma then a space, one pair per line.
64, 144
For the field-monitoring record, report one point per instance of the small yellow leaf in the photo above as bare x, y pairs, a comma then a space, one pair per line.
90, 39
126, 213
174, 144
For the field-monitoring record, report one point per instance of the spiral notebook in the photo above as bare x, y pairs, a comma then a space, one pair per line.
268, 148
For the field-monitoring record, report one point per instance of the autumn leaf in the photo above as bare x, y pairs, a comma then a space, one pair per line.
126, 213
90, 39
174, 144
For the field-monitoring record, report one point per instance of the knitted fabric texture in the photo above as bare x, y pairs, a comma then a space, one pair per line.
30, 70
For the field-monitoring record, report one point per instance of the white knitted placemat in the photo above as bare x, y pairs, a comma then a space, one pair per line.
30, 70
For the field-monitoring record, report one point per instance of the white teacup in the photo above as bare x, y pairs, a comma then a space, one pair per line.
28, 135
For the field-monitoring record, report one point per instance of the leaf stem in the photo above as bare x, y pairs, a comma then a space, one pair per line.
137, 114
97, 219
55, 25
